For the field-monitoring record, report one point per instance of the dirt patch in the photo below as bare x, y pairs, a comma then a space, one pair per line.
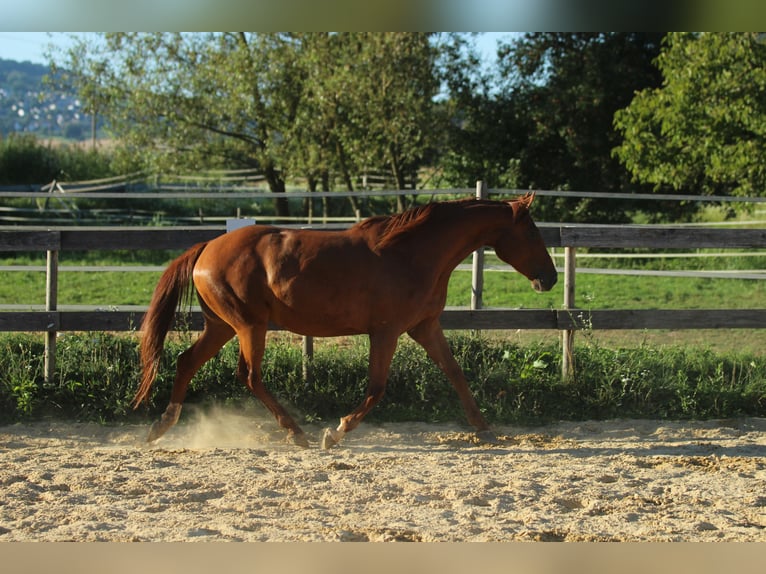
224, 476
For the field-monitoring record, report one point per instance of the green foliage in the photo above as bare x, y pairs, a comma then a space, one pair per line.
485, 132
676, 383
96, 374
338, 382
545, 120
617, 112
22, 366
78, 163
513, 384
95, 378
24, 161
703, 129
322, 103
566, 88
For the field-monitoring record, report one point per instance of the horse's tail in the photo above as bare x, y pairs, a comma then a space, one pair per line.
175, 287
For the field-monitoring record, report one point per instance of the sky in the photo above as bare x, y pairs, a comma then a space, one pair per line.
31, 46
28, 46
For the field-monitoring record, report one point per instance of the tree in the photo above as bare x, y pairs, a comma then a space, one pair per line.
302, 104
704, 129
396, 84
484, 132
188, 101
366, 104
384, 91
566, 88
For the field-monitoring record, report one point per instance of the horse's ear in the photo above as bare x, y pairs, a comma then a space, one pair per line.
525, 200
528, 198
522, 202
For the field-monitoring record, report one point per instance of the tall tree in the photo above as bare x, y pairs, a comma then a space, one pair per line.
323, 144
704, 129
392, 81
484, 132
567, 88
367, 105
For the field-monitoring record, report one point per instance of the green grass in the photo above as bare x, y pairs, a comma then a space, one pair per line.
613, 292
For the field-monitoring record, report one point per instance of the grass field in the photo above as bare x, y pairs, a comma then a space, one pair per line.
508, 290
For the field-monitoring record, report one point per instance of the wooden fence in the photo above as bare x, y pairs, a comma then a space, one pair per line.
567, 320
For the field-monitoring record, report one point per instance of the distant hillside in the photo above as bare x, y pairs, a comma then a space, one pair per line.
27, 105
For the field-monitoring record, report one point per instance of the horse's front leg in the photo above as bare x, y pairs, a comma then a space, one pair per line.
382, 348
430, 336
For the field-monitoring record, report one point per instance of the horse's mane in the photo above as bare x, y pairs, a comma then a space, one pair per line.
396, 227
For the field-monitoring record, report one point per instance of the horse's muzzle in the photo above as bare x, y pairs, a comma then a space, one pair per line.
541, 284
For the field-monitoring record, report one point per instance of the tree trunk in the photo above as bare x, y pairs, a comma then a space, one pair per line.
400, 182
325, 202
348, 181
277, 185
308, 203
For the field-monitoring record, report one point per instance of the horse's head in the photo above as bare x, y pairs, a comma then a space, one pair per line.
521, 246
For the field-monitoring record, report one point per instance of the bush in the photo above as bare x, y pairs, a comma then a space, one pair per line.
24, 160
98, 374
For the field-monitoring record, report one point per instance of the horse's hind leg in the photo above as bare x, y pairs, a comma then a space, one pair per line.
213, 337
251, 347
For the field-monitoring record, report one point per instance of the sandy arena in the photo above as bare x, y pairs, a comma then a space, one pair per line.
222, 476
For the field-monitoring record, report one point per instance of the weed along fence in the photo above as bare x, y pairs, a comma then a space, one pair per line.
567, 319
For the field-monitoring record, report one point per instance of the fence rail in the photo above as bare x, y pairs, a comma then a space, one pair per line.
148, 187
582, 235
239, 185
451, 319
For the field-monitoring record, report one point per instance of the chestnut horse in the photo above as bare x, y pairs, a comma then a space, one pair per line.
383, 277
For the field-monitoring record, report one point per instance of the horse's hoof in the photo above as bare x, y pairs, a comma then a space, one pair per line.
167, 420
300, 439
487, 437
155, 432
328, 440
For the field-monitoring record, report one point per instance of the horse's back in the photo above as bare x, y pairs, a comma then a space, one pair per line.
307, 281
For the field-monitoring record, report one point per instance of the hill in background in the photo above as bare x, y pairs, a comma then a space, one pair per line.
28, 105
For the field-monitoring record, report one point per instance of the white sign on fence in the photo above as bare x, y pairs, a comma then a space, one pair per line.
233, 224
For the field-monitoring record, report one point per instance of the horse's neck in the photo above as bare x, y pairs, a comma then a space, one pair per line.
450, 241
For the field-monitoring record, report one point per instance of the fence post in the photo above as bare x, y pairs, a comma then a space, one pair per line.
51, 302
567, 338
308, 360
477, 268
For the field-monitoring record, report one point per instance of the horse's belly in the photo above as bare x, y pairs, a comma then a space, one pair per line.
316, 324
322, 305
331, 318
